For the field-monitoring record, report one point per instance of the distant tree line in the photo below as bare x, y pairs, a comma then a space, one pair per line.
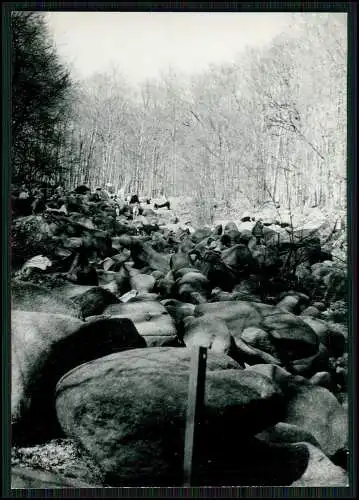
41, 102
270, 125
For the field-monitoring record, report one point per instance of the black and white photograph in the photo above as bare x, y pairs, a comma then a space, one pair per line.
178, 249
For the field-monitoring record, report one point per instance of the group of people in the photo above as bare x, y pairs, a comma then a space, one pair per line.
27, 201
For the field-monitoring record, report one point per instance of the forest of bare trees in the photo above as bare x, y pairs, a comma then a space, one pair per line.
271, 125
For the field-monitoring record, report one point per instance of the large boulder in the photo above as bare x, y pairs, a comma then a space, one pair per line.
208, 332
178, 310
143, 283
291, 337
246, 226
200, 234
164, 287
331, 280
44, 347
308, 366
128, 411
293, 302
311, 408
143, 254
180, 259
70, 291
230, 226
332, 338
265, 257
231, 237
321, 472
269, 216
30, 236
238, 259
315, 221
248, 290
140, 281
324, 379
277, 237
94, 301
316, 410
258, 338
151, 319
115, 262
218, 295
193, 287
32, 336
31, 297
283, 433
310, 312
238, 315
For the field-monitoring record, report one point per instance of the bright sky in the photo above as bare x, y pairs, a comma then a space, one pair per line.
142, 44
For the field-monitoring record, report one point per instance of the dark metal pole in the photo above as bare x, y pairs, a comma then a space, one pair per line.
196, 387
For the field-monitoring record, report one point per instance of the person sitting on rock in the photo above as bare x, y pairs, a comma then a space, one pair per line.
82, 189
116, 204
21, 203
162, 202
24, 193
134, 199
102, 194
257, 232
121, 195
59, 192
136, 210
38, 204
110, 189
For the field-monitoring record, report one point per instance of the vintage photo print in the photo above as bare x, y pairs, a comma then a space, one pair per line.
180, 301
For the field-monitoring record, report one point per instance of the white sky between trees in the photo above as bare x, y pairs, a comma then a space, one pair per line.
144, 44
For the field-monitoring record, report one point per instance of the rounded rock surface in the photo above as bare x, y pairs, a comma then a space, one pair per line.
128, 411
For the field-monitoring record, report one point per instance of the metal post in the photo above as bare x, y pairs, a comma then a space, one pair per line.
196, 387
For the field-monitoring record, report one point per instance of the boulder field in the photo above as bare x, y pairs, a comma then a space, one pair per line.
105, 315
